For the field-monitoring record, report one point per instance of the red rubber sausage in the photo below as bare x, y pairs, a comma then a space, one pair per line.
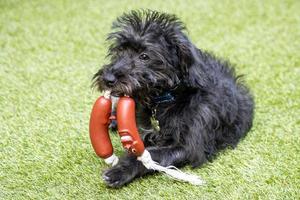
128, 132
99, 123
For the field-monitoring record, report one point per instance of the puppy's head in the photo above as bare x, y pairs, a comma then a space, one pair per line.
149, 53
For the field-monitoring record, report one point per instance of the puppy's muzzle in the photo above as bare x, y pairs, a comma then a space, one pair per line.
109, 79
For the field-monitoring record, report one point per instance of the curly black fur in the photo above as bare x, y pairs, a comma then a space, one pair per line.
150, 54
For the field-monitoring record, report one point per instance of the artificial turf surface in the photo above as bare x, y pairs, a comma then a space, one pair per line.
49, 51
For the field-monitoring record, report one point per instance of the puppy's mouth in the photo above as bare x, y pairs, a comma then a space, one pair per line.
120, 89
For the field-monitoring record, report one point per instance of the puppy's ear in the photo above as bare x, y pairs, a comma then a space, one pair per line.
190, 62
184, 53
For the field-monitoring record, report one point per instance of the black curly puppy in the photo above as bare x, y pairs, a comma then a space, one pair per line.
198, 102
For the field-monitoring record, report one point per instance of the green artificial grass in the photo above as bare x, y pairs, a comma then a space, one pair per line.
49, 51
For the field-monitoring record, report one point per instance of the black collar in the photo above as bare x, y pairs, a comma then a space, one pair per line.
168, 96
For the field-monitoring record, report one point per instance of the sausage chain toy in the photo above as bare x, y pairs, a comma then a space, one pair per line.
130, 139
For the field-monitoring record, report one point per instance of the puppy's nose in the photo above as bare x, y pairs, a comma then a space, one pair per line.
109, 79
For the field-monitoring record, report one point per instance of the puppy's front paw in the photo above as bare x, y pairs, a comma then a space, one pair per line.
117, 176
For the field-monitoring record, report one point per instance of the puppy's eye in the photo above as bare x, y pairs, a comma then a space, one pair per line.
144, 56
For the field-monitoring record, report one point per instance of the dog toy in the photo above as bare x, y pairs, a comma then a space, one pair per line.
130, 139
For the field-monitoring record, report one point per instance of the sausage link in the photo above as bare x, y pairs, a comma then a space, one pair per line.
99, 122
127, 129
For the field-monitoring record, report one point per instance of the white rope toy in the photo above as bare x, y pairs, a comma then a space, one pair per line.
171, 171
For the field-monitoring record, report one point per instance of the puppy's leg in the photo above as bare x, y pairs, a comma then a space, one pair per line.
148, 134
150, 137
129, 167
